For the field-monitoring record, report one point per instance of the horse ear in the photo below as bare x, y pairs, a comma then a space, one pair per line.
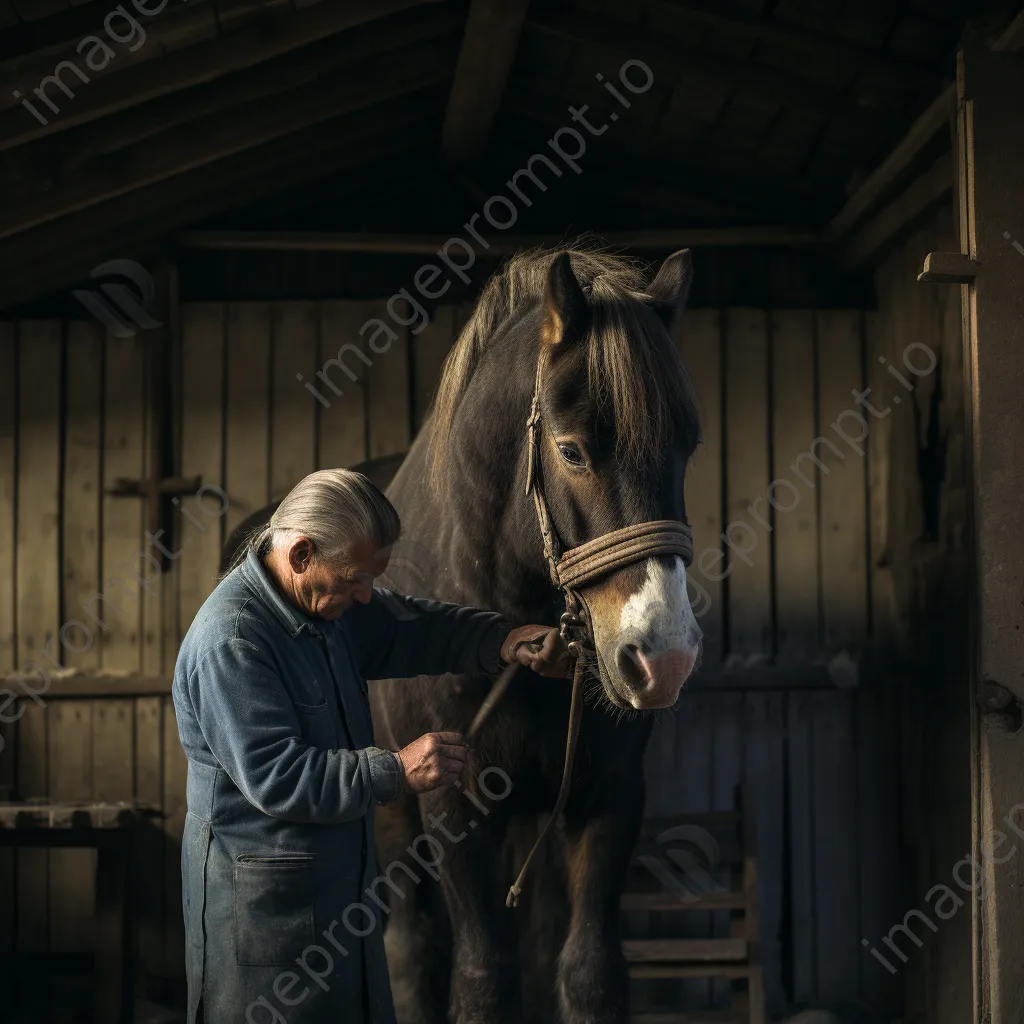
566, 314
671, 286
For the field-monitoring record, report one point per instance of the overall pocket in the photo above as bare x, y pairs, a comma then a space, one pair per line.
316, 724
273, 908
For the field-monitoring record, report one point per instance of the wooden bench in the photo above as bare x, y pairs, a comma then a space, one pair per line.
111, 830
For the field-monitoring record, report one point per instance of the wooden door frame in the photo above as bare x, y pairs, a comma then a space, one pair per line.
990, 158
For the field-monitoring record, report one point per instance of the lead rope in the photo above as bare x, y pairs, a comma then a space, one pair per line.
569, 570
569, 621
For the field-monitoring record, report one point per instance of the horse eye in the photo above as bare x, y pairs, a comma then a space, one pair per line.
571, 453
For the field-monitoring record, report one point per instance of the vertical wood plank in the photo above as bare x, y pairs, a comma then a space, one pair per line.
162, 396
799, 768
8, 491
174, 803
766, 784
38, 566
843, 487
878, 802
8, 895
113, 770
837, 885
202, 447
693, 793
71, 871
794, 506
37, 577
33, 866
387, 396
154, 592
883, 597
746, 478
699, 340
728, 769
295, 326
113, 742
124, 434
341, 385
430, 348
8, 508
149, 739
247, 424
83, 441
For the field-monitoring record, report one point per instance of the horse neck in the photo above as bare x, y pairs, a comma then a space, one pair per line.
485, 524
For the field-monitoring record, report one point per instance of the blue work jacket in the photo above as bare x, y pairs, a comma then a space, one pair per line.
283, 777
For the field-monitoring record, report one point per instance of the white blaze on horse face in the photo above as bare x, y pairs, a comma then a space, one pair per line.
660, 611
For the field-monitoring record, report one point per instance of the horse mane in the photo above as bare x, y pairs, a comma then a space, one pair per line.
634, 367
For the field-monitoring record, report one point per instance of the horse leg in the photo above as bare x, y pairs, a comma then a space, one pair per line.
415, 922
593, 982
483, 978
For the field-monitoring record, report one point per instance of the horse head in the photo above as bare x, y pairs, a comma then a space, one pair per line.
620, 424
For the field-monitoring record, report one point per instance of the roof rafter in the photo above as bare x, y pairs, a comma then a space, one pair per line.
792, 90
225, 133
789, 33
197, 64
51, 161
60, 253
488, 48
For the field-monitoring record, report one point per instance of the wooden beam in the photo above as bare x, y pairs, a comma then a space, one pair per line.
28, 44
649, 239
926, 126
196, 144
269, 37
61, 253
49, 162
751, 79
1011, 39
67, 27
485, 59
79, 685
800, 677
820, 44
917, 199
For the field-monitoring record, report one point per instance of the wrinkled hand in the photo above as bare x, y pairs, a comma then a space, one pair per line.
540, 648
434, 760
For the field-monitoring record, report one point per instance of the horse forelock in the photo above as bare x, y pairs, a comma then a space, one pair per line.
635, 370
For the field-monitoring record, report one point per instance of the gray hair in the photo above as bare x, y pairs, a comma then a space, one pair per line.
333, 508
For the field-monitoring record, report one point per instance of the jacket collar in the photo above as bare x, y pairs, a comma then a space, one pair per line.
256, 576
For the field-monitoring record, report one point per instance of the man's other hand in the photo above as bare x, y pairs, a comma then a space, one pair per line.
540, 648
433, 760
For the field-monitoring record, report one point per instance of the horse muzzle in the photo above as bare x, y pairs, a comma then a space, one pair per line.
652, 681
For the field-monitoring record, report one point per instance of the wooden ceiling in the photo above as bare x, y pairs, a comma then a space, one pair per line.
398, 115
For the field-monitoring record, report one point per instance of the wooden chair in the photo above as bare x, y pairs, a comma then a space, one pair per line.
673, 873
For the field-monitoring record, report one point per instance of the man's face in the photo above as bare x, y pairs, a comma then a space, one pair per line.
325, 590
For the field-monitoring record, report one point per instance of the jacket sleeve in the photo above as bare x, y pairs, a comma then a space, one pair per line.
396, 636
252, 728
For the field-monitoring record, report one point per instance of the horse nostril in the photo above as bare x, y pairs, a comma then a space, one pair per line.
629, 662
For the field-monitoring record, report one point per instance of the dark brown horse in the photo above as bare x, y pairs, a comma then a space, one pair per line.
620, 424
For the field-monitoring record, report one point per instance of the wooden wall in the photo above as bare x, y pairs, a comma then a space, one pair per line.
76, 415
919, 505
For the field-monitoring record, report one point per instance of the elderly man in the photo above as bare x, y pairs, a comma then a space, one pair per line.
283, 775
